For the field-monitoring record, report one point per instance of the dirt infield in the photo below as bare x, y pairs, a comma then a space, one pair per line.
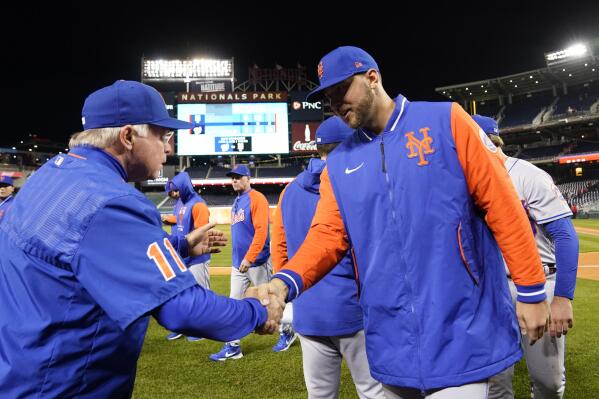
588, 265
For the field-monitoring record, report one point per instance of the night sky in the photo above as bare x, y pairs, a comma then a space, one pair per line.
55, 61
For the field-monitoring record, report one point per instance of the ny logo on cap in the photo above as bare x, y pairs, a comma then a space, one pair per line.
358, 64
320, 70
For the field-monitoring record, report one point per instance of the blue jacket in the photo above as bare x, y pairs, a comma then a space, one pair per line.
412, 201
84, 262
183, 211
331, 308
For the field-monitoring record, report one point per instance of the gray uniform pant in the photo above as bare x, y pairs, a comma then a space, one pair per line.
322, 358
241, 281
545, 362
201, 273
477, 390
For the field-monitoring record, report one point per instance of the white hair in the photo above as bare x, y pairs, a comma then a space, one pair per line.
103, 137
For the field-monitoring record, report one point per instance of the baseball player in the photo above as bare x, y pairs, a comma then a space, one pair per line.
328, 318
191, 212
250, 245
423, 201
85, 261
557, 243
6, 194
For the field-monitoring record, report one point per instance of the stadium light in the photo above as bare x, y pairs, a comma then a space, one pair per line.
574, 51
203, 68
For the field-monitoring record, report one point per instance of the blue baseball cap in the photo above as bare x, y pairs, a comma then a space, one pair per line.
488, 125
332, 130
6, 181
127, 102
240, 170
340, 64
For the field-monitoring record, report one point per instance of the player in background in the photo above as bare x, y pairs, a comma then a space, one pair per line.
85, 261
191, 212
406, 192
250, 245
171, 219
557, 242
7, 189
327, 318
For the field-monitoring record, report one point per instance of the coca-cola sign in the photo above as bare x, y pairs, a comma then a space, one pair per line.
299, 146
303, 136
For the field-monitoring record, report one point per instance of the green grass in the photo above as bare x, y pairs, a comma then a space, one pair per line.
588, 242
181, 369
590, 223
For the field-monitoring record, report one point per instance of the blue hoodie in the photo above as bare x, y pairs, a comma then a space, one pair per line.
185, 214
331, 308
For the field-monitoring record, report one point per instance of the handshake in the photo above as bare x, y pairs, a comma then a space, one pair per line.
272, 296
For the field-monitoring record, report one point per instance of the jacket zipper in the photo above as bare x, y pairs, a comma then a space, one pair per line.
408, 286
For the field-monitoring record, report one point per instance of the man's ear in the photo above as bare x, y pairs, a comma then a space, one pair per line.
127, 137
373, 78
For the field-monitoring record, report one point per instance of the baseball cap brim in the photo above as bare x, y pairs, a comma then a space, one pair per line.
172, 123
329, 83
231, 174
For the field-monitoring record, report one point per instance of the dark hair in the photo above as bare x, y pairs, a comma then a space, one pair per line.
325, 149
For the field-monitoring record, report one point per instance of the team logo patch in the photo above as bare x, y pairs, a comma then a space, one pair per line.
420, 148
237, 217
487, 141
320, 70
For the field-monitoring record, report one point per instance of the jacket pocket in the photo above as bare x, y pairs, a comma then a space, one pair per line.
468, 252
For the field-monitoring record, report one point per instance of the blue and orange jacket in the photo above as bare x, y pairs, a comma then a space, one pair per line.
5, 205
331, 308
424, 205
191, 214
249, 229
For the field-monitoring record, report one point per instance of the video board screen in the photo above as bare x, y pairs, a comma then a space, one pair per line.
234, 128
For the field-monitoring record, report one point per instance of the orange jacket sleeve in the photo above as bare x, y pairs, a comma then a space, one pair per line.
259, 209
493, 191
200, 214
278, 244
326, 242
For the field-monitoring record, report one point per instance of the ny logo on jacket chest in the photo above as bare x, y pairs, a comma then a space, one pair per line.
238, 216
420, 148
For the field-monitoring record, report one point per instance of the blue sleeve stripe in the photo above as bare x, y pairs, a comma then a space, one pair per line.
293, 282
531, 294
552, 218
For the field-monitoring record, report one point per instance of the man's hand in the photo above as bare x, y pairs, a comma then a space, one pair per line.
271, 295
245, 265
534, 319
562, 317
204, 240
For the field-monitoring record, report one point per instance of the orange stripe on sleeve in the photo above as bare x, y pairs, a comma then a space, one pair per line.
200, 214
278, 244
259, 209
326, 242
492, 190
